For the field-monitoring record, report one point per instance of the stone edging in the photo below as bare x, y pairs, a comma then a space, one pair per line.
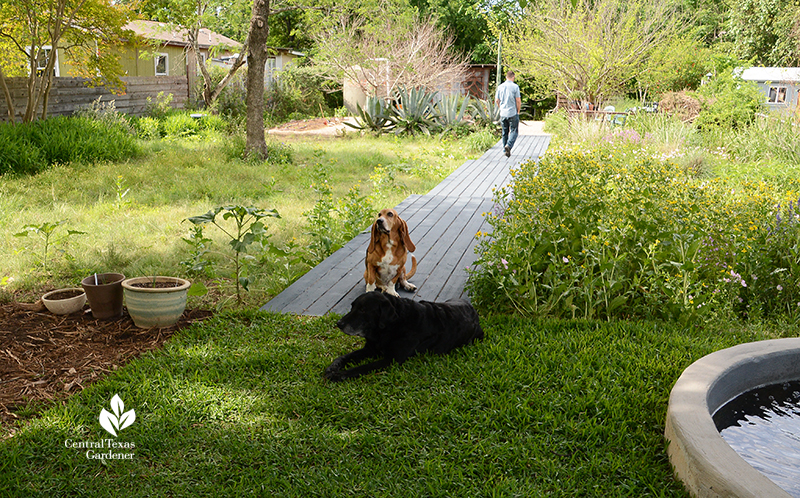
702, 459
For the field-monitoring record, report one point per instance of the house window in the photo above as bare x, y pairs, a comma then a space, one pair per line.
162, 65
202, 57
777, 94
42, 59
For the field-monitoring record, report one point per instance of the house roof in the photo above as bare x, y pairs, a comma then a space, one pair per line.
773, 74
171, 36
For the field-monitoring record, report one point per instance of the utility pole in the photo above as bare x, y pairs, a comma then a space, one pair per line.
499, 64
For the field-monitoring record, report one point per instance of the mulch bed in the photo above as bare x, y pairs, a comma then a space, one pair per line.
46, 357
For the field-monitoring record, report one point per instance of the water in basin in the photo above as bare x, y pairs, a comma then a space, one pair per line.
763, 426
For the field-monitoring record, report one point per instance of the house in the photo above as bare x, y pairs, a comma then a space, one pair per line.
279, 58
171, 55
781, 85
167, 57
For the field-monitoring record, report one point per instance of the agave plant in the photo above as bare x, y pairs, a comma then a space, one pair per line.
485, 112
452, 109
375, 117
413, 112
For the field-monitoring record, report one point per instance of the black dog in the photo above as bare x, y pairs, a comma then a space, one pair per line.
397, 328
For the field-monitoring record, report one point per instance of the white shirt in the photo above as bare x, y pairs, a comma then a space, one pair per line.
507, 94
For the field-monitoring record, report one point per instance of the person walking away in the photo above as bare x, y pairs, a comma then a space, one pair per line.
509, 99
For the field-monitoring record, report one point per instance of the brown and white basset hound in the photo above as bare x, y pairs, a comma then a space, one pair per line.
388, 249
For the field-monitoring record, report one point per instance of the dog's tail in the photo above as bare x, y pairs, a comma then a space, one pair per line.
413, 267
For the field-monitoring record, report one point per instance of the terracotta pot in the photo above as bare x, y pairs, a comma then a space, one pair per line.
64, 306
159, 305
104, 292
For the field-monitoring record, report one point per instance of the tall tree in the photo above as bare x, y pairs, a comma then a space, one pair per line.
764, 31
256, 60
34, 32
468, 22
589, 51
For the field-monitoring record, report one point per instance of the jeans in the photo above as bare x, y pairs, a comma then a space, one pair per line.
510, 130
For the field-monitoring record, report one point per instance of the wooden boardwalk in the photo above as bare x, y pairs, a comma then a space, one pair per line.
442, 224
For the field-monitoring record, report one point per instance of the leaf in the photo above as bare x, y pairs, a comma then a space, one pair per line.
197, 289
616, 303
258, 228
245, 283
108, 422
117, 405
203, 218
238, 245
127, 419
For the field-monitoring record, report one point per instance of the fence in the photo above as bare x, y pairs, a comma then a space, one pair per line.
70, 94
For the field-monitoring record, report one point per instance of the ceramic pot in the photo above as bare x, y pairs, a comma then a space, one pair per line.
64, 305
104, 292
155, 301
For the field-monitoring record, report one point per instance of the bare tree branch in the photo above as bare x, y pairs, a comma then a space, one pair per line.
389, 56
589, 52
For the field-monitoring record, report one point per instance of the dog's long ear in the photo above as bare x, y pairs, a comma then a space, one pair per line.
375, 238
387, 313
405, 237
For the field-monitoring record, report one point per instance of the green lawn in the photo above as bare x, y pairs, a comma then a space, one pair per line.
237, 406
133, 213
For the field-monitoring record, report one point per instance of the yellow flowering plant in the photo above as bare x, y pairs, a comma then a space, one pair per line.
616, 231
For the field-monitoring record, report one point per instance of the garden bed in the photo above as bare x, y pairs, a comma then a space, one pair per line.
46, 357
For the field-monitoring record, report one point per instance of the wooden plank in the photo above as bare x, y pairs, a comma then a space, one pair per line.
451, 248
307, 289
454, 287
454, 179
476, 177
442, 224
347, 276
69, 94
350, 281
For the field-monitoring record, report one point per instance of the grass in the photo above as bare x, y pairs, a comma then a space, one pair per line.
133, 212
237, 406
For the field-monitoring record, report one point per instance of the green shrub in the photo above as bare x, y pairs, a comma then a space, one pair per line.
451, 110
212, 122
30, 147
557, 123
413, 112
614, 231
180, 125
729, 103
18, 155
485, 112
667, 131
160, 106
481, 140
768, 139
374, 116
106, 113
296, 94
148, 128
231, 101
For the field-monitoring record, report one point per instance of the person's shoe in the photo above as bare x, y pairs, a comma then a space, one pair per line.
507, 151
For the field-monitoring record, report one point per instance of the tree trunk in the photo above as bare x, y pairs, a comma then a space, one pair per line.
7, 95
256, 60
